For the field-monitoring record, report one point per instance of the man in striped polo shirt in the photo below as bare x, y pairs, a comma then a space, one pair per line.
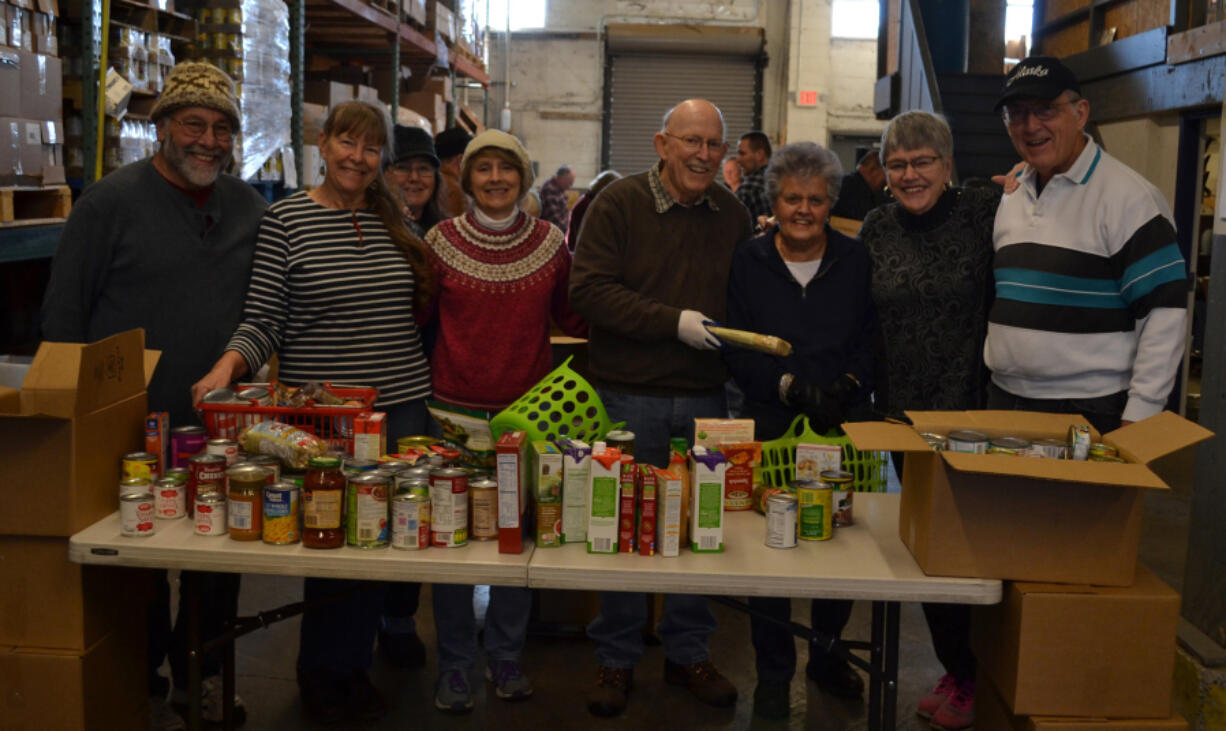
1091, 286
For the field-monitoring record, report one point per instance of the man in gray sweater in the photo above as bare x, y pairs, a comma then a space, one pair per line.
166, 244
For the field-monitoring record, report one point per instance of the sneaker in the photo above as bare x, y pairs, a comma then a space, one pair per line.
612, 691
958, 710
837, 677
362, 700
323, 695
510, 683
211, 702
772, 701
929, 704
452, 693
162, 717
402, 649
703, 680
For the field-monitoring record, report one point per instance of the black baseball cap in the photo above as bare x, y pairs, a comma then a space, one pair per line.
1041, 77
451, 142
414, 142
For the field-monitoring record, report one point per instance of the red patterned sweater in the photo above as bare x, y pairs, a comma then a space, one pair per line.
496, 292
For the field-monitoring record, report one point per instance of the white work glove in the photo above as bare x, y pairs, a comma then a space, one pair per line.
692, 330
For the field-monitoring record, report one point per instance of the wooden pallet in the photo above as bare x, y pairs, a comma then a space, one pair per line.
27, 206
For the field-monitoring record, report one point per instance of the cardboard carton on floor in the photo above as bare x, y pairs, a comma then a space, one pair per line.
103, 688
991, 714
80, 409
994, 516
1070, 650
52, 603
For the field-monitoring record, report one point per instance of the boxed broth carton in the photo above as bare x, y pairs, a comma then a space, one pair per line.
603, 499
991, 516
708, 470
547, 490
576, 475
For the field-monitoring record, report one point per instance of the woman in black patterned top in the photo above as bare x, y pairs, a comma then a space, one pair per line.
932, 282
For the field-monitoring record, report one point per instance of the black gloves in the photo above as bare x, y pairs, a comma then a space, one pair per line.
823, 406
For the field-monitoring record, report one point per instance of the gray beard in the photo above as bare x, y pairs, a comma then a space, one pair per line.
177, 157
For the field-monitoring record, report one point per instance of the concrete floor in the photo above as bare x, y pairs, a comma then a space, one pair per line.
563, 670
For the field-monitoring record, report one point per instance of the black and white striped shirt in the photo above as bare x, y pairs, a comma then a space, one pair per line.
332, 295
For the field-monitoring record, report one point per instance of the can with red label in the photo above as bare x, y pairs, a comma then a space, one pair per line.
136, 514
227, 448
210, 514
449, 507
206, 473
186, 442
410, 521
140, 465
170, 499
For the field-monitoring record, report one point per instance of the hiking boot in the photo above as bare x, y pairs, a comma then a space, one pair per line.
837, 677
958, 710
929, 704
362, 700
510, 683
703, 680
452, 693
612, 691
771, 700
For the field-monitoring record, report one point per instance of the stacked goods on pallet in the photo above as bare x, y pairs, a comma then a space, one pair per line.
31, 126
249, 39
471, 24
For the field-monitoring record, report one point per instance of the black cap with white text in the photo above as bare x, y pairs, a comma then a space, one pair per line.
1040, 77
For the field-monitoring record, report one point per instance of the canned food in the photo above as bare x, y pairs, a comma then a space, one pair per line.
1014, 446
281, 508
843, 494
1078, 441
258, 394
623, 439
244, 515
210, 518
1098, 450
1108, 458
366, 517
782, 516
136, 514
437, 461
206, 473
227, 448
1049, 447
178, 474
134, 484
411, 487
936, 441
141, 465
968, 441
815, 503
354, 467
407, 444
170, 499
234, 16
186, 442
448, 508
762, 493
271, 464
410, 521
484, 509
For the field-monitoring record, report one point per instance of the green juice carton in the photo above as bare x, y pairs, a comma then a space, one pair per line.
603, 497
576, 479
708, 471
547, 489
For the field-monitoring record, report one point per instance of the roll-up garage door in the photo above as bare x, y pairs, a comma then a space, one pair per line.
643, 83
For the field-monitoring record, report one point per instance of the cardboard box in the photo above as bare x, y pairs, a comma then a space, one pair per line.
414, 10
427, 104
648, 510
370, 435
313, 117
440, 85
42, 32
603, 499
708, 471
1070, 650
327, 93
440, 19
628, 492
991, 714
576, 474
21, 157
513, 486
669, 504
713, 432
42, 95
1030, 519
80, 409
366, 94
51, 602
547, 493
101, 689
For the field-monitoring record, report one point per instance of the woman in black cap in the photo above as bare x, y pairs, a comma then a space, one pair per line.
414, 171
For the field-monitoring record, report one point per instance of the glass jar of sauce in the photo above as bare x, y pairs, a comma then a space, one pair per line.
245, 514
323, 499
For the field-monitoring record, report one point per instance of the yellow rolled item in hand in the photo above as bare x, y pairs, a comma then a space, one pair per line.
751, 340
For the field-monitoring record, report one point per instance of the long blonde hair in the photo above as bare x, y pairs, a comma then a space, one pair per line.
366, 121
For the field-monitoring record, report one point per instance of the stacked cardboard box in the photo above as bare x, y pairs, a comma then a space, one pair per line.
71, 636
1096, 639
31, 126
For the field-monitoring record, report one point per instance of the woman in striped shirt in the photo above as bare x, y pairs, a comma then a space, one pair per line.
335, 281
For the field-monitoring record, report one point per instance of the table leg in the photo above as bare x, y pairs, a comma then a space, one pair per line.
889, 707
876, 656
195, 655
228, 680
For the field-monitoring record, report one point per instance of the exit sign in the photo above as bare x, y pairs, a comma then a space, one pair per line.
806, 98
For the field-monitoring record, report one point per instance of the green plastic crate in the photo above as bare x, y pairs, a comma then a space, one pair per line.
778, 466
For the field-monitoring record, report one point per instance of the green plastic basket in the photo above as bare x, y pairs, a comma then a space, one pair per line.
562, 405
778, 466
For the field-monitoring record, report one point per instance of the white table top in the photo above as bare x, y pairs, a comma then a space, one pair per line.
176, 546
863, 561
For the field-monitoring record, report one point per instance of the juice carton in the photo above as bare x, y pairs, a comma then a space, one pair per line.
669, 504
576, 474
157, 440
547, 489
680, 468
511, 455
814, 459
648, 510
708, 470
603, 498
738, 485
628, 490
714, 432
370, 435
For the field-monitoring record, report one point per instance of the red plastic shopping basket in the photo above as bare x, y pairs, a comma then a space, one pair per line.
334, 424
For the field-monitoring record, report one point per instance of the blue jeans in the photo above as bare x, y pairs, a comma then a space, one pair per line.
688, 621
506, 624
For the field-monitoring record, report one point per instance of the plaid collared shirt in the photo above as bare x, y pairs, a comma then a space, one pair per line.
752, 192
664, 200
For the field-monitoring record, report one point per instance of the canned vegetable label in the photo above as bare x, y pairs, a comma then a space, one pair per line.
366, 500
781, 520
449, 507
136, 512
281, 509
816, 505
410, 522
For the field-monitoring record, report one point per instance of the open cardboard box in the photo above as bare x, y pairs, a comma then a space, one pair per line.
79, 410
1077, 650
992, 516
992, 714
